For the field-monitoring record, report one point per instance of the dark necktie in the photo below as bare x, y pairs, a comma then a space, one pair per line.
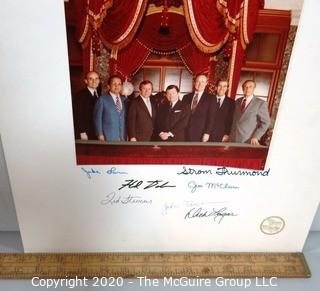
243, 104
218, 102
95, 94
194, 102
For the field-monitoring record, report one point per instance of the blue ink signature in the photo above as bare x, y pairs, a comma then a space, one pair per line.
90, 172
194, 186
225, 171
191, 171
112, 198
113, 171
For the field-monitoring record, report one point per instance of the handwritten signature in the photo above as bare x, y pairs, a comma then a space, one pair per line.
217, 214
194, 186
192, 171
168, 206
253, 173
114, 199
113, 171
90, 172
139, 184
222, 171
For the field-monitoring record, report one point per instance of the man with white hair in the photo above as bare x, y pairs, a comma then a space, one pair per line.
251, 118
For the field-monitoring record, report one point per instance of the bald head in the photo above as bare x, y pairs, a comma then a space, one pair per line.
92, 80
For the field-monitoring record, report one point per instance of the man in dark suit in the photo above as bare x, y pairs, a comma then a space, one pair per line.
251, 116
109, 113
141, 114
203, 110
172, 117
224, 115
83, 106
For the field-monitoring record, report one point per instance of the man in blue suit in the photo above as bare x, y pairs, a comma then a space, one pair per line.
109, 113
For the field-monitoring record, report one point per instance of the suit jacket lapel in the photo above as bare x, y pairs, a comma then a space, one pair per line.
144, 106
223, 105
111, 102
249, 106
172, 113
203, 97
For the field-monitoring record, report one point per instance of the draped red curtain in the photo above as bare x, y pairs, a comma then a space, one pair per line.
121, 24
247, 22
195, 34
91, 14
196, 61
151, 37
206, 24
112, 22
126, 65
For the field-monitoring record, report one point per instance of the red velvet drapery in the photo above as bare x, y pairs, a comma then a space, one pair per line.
150, 36
204, 28
149, 39
126, 65
115, 21
195, 60
112, 22
121, 24
206, 25
247, 22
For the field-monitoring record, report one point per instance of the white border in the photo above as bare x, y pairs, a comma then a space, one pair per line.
57, 206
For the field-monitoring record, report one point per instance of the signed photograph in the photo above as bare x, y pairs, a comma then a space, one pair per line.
177, 81
165, 140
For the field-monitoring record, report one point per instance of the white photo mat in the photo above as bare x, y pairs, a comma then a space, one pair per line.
60, 209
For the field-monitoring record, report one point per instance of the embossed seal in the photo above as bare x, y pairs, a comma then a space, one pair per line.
272, 225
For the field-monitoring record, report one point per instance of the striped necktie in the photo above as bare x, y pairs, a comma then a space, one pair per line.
194, 102
118, 103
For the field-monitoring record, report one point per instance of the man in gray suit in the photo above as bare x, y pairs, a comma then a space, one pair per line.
251, 117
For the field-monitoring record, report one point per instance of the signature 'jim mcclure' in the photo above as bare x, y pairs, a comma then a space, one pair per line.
216, 214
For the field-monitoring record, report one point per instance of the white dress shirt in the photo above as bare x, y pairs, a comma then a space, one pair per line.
114, 97
221, 99
199, 96
249, 98
147, 101
174, 103
92, 91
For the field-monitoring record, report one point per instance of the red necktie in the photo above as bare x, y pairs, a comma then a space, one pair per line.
243, 104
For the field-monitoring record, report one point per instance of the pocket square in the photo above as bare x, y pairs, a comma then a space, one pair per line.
176, 111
